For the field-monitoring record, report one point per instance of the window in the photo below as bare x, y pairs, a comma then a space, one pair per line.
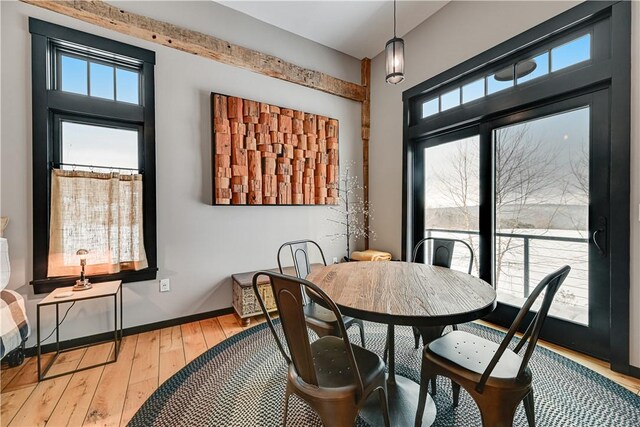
563, 55
533, 68
473, 91
571, 53
86, 144
450, 99
93, 152
86, 75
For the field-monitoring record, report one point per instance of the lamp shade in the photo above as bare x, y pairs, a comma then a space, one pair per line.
394, 53
82, 254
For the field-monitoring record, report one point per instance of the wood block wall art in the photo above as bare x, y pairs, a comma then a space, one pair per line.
268, 155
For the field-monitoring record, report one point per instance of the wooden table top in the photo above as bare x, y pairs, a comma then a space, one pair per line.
404, 293
102, 289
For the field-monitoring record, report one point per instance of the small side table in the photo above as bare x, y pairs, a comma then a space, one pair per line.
99, 290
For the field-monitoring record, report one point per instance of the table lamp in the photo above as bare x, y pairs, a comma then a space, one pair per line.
82, 284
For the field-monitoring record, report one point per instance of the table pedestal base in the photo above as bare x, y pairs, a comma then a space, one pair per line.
403, 404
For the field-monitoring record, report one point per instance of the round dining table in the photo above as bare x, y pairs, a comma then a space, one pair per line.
410, 294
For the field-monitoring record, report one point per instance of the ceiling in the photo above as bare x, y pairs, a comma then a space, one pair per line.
358, 28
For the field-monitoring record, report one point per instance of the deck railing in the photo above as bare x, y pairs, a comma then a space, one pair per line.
527, 241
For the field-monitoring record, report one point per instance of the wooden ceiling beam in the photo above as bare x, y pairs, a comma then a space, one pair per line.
173, 36
365, 122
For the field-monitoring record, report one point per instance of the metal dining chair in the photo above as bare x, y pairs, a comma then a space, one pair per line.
333, 376
497, 378
442, 251
441, 256
319, 319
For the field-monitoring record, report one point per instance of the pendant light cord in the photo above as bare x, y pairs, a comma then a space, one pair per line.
394, 19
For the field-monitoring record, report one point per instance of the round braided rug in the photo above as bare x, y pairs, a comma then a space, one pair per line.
241, 382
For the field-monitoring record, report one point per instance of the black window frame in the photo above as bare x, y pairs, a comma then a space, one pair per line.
609, 65
51, 105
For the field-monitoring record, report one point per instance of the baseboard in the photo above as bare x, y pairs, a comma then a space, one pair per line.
106, 336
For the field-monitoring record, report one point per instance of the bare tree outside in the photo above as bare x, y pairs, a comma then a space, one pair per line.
541, 189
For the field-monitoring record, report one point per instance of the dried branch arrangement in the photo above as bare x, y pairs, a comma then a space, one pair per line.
350, 211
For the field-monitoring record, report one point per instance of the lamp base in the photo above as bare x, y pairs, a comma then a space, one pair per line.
82, 285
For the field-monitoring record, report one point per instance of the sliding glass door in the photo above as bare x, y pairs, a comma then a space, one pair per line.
529, 192
542, 209
451, 193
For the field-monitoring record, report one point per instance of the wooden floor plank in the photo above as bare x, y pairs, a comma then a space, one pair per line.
170, 363
40, 404
73, 405
212, 331
146, 358
144, 374
170, 339
108, 400
193, 339
231, 324
7, 374
137, 394
28, 375
12, 401
171, 353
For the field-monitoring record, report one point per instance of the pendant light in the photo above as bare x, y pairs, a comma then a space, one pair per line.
394, 52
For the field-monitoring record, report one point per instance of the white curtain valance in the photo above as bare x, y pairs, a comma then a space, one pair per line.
99, 212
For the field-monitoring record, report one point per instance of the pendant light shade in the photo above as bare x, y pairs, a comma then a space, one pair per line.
394, 55
394, 52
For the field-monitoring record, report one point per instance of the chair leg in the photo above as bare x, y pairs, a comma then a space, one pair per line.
497, 415
433, 385
385, 407
340, 415
529, 409
416, 337
361, 326
425, 377
286, 407
455, 387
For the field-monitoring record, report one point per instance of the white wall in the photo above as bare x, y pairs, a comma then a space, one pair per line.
199, 246
454, 34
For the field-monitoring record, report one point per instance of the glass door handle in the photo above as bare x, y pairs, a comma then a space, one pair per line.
602, 228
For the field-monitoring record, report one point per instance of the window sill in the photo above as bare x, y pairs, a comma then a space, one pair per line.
41, 286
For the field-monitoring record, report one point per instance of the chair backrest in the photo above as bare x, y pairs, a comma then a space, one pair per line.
442, 251
300, 255
549, 285
288, 294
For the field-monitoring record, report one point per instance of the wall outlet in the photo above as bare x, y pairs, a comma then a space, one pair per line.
335, 259
165, 285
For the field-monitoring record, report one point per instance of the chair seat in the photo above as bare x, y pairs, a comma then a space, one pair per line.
332, 363
474, 354
317, 314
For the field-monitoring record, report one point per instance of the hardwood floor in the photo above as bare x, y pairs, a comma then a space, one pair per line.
107, 395
110, 395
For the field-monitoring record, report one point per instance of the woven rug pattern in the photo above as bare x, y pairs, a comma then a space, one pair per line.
241, 383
